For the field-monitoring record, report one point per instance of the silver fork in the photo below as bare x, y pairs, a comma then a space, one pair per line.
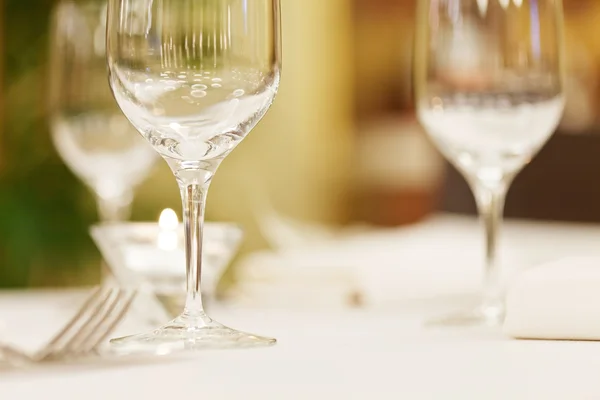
84, 333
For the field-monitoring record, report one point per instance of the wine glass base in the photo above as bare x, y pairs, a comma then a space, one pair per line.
184, 335
491, 316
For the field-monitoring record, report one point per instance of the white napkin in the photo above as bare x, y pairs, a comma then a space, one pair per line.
558, 300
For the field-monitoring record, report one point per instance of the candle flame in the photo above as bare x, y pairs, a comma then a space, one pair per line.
168, 220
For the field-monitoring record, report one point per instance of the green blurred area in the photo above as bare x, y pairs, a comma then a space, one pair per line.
44, 209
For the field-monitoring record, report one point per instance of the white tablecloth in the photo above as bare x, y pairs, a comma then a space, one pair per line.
381, 353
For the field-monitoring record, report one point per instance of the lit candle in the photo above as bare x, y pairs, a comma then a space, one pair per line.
168, 223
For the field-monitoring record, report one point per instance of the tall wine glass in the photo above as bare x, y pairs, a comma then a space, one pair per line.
489, 91
89, 131
194, 77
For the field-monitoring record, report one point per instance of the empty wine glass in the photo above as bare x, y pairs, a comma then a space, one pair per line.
89, 131
489, 91
194, 77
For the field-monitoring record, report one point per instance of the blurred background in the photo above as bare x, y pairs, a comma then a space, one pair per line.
340, 146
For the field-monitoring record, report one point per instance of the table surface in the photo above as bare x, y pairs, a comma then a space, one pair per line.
384, 352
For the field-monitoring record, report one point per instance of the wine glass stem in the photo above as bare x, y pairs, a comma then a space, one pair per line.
115, 209
194, 198
490, 204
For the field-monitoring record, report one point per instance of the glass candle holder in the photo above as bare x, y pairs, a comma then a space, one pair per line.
151, 257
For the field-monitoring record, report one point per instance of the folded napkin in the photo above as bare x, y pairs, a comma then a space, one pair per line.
559, 300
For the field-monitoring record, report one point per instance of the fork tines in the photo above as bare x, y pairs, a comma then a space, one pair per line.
91, 325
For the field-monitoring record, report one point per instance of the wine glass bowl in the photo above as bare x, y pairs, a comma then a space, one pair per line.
201, 82
489, 88
193, 77
516, 127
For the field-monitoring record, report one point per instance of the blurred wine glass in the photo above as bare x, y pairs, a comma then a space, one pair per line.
89, 131
489, 85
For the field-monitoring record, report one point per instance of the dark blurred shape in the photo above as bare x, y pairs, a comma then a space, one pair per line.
561, 183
